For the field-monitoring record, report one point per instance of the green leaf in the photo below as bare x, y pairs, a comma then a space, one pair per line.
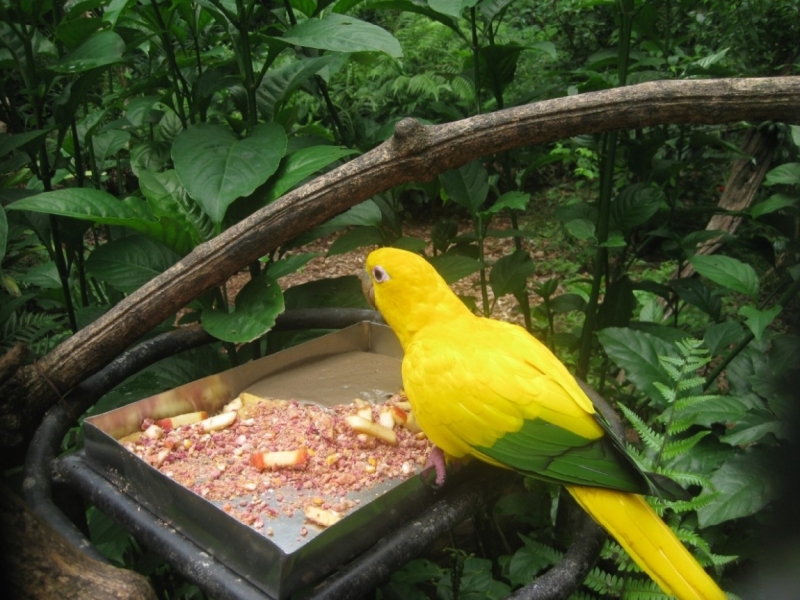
280, 83
582, 229
636, 205
128, 263
566, 303
697, 293
728, 272
451, 8
510, 200
9, 143
257, 305
509, 275
753, 426
115, 9
758, 320
108, 143
718, 409
467, 186
290, 264
217, 168
786, 174
101, 49
618, 304
744, 485
637, 352
168, 198
336, 291
139, 111
297, 166
342, 33
453, 267
721, 335
357, 237
772, 204
103, 208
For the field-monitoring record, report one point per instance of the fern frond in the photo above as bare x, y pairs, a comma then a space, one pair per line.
682, 446
643, 589
695, 504
690, 383
668, 393
607, 584
719, 560
687, 479
650, 437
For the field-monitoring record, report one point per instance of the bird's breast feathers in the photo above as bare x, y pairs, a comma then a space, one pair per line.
471, 383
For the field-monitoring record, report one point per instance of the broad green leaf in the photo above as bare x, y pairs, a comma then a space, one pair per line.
128, 263
366, 213
298, 166
290, 264
758, 320
139, 111
566, 303
615, 240
44, 276
467, 186
498, 66
357, 237
280, 83
719, 409
697, 293
637, 353
410, 243
786, 174
753, 426
337, 291
168, 198
795, 129
728, 272
217, 168
73, 32
101, 49
108, 143
636, 205
9, 143
511, 200
581, 229
721, 335
744, 484
451, 8
115, 9
772, 204
342, 33
509, 275
257, 305
453, 267
103, 208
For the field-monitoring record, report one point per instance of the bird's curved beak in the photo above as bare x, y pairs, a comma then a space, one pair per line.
367, 288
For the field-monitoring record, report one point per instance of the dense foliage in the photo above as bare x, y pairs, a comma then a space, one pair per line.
138, 129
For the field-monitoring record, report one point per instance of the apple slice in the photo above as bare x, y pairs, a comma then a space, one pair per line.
217, 422
377, 430
321, 516
280, 459
171, 423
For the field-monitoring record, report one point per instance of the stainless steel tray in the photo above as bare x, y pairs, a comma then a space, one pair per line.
360, 361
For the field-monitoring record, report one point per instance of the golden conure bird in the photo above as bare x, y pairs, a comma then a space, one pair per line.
488, 389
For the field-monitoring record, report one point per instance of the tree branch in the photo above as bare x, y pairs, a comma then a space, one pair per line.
414, 153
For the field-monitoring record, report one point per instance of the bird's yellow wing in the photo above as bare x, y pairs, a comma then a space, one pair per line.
504, 406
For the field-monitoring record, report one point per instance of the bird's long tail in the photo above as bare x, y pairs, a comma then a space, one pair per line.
649, 541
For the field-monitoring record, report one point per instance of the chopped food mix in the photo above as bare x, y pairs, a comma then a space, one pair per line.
263, 458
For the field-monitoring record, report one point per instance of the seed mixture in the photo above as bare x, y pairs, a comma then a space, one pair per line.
265, 458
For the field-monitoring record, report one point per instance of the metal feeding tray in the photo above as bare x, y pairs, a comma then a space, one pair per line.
360, 361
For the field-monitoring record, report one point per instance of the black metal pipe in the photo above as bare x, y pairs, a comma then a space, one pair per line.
184, 555
374, 567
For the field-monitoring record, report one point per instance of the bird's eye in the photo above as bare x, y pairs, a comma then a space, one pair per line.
379, 274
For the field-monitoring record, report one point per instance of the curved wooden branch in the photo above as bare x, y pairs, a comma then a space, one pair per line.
414, 153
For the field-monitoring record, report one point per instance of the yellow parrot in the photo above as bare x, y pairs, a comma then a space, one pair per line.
488, 389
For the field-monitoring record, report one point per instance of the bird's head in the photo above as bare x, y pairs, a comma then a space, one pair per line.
407, 291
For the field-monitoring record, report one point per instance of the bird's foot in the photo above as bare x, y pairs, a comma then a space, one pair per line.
436, 462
